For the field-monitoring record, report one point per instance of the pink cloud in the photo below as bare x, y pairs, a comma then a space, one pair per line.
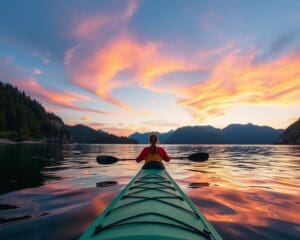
44, 56
98, 72
89, 25
131, 9
37, 71
63, 99
235, 79
69, 54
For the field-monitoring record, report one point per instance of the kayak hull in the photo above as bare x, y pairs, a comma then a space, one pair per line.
151, 206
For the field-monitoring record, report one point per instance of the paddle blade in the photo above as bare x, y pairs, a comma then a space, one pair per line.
106, 159
199, 157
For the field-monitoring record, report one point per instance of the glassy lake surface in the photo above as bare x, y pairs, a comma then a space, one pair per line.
55, 192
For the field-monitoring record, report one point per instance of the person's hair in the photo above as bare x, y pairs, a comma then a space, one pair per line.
153, 136
153, 148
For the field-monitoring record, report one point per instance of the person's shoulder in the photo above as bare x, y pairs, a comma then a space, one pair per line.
146, 148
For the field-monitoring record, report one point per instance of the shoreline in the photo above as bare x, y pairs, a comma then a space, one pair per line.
7, 141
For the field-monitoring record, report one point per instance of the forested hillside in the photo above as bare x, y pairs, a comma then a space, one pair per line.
23, 118
291, 135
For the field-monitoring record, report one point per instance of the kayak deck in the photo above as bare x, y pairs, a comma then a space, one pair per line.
151, 206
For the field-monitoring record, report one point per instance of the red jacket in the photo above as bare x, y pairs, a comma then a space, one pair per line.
147, 150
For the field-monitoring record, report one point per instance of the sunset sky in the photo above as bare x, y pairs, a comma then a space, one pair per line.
126, 66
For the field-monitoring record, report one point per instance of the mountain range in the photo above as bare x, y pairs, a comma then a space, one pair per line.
232, 134
143, 138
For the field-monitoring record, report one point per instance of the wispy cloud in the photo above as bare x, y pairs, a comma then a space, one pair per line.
160, 123
100, 72
116, 130
69, 54
62, 99
37, 71
281, 45
85, 118
233, 76
95, 71
126, 53
131, 9
44, 56
87, 26
15, 75
283, 41
235, 79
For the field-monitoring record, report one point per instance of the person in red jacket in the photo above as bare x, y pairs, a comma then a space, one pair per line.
153, 153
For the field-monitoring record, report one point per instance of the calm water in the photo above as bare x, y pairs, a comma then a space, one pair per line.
54, 192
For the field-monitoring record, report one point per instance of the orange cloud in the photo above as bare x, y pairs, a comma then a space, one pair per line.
99, 73
85, 118
236, 79
96, 125
63, 99
123, 61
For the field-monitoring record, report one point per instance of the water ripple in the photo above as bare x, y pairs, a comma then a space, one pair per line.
246, 191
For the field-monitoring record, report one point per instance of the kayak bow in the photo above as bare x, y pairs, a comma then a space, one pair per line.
151, 206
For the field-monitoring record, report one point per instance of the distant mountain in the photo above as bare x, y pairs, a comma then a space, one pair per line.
84, 134
232, 134
250, 134
291, 135
143, 138
23, 118
196, 135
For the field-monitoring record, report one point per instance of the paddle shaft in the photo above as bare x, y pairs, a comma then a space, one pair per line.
200, 156
131, 159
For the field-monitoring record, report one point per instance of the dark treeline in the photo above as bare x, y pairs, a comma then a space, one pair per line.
23, 118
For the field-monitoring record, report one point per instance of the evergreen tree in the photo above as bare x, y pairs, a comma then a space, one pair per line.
22, 118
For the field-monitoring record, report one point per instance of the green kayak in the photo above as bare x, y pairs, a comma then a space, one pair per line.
151, 206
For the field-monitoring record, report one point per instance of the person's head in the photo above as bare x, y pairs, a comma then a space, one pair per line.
153, 139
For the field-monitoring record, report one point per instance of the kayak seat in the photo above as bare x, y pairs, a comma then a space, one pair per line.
153, 165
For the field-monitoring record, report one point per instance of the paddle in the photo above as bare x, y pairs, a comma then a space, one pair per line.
196, 157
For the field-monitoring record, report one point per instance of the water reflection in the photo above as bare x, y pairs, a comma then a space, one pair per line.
23, 165
247, 192
198, 184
